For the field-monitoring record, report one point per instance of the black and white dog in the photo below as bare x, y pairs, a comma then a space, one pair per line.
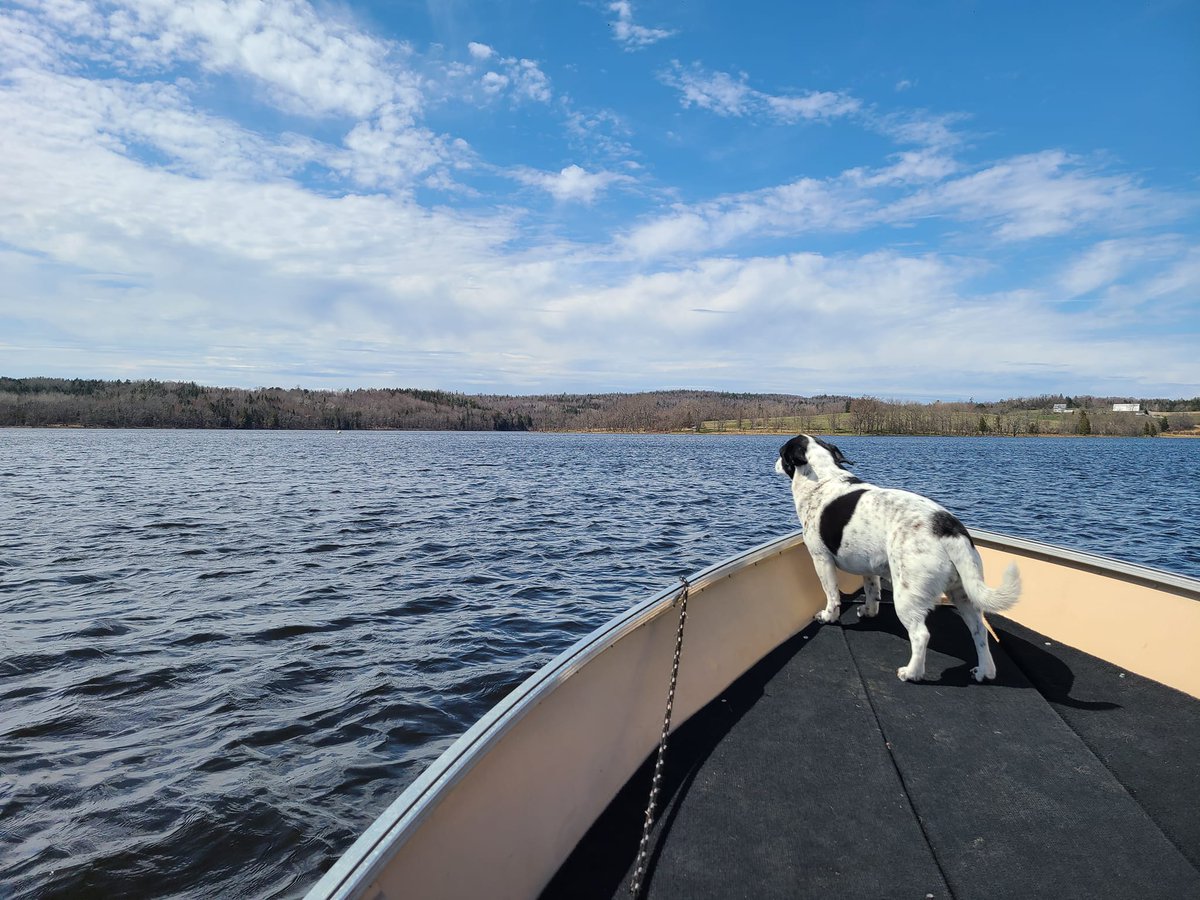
871, 531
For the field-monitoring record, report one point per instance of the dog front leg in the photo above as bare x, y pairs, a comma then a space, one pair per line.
871, 594
827, 573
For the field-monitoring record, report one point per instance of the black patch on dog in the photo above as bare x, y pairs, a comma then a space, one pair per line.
794, 454
946, 525
835, 517
853, 479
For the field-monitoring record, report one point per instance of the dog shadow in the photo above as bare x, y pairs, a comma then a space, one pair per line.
1020, 663
1052, 677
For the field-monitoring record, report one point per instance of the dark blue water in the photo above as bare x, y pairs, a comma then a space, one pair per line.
223, 653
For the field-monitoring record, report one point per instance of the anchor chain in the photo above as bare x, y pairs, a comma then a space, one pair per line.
635, 884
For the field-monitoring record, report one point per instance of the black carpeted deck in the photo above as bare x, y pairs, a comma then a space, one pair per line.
820, 774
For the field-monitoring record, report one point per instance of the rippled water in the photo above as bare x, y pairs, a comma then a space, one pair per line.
224, 653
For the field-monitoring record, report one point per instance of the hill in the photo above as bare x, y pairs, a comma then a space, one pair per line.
167, 404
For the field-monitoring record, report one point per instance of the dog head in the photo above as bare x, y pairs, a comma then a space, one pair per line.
811, 457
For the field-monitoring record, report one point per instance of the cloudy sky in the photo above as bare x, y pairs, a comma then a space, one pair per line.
935, 200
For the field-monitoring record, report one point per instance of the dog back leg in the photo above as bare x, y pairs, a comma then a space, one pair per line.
918, 639
911, 608
871, 593
986, 669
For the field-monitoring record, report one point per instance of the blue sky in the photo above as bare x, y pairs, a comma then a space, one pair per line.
931, 201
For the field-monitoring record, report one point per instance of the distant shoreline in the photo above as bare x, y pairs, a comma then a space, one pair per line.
61, 402
1194, 433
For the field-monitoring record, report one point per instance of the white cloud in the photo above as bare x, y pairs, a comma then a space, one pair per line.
1144, 284
631, 35
385, 152
155, 119
728, 95
732, 96
310, 64
814, 105
786, 319
1018, 199
803, 206
298, 61
493, 82
1041, 195
571, 183
794, 292
916, 126
717, 91
24, 43
685, 230
480, 51
132, 262
522, 79
910, 167
529, 81
599, 131
1106, 262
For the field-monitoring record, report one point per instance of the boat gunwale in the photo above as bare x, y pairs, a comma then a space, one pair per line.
359, 864
1096, 563
370, 852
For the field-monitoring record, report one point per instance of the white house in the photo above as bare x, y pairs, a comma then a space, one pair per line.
1127, 407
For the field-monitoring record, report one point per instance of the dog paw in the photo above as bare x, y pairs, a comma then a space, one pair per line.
868, 612
825, 616
905, 673
981, 675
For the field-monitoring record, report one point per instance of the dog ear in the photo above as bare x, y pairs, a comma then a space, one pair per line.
838, 458
793, 454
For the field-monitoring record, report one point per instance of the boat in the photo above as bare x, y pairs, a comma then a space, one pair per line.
798, 765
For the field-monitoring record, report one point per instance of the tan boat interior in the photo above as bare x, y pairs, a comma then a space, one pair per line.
1147, 629
525, 805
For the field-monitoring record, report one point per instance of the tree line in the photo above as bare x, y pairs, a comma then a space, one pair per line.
169, 404
1020, 416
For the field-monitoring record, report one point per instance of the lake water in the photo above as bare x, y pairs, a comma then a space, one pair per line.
224, 653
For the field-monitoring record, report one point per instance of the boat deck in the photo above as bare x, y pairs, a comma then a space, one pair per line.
819, 773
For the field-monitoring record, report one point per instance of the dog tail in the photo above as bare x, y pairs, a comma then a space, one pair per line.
970, 571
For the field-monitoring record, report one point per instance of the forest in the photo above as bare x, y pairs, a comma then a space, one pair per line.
43, 402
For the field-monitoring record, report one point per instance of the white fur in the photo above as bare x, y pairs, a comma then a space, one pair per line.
910, 540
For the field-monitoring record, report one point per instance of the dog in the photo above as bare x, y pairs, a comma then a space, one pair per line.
879, 532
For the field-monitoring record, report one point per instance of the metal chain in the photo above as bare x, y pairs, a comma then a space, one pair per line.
635, 884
